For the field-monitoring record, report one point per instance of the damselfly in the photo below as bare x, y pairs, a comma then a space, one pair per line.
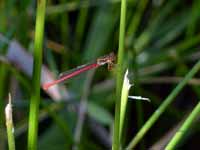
107, 59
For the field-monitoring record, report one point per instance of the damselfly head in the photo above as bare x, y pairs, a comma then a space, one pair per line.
112, 57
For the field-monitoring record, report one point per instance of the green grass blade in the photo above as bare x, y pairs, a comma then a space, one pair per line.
116, 140
9, 125
163, 107
180, 48
193, 19
3, 74
124, 97
80, 25
35, 98
62, 124
186, 125
64, 25
137, 18
145, 37
101, 26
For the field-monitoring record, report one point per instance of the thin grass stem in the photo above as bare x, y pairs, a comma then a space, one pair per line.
35, 97
116, 139
184, 128
9, 125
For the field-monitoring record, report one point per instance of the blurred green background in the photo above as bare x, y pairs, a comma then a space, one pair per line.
161, 45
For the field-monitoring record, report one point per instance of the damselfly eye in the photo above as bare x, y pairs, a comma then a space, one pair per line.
112, 57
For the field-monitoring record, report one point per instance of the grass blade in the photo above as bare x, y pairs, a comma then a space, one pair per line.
136, 19
116, 140
124, 97
9, 125
35, 98
186, 125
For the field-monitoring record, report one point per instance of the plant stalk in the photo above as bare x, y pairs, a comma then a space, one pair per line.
35, 97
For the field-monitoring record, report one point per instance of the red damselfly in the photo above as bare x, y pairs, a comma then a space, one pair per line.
107, 59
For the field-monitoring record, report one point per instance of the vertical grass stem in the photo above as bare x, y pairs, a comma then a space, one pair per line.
35, 97
116, 140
